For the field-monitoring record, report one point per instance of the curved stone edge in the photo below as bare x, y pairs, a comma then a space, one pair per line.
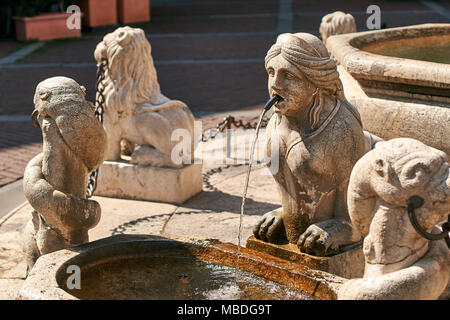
390, 119
42, 282
368, 66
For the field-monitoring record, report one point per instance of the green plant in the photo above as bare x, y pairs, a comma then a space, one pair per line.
30, 8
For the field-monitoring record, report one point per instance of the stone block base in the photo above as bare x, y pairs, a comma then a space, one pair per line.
348, 264
131, 181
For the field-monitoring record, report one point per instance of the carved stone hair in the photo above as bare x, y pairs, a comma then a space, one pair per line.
336, 23
131, 76
309, 55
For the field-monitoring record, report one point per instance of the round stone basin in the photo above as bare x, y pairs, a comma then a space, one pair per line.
135, 267
408, 61
434, 48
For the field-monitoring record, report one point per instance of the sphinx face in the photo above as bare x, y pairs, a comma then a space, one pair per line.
288, 82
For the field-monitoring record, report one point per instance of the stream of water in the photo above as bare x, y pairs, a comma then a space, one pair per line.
267, 107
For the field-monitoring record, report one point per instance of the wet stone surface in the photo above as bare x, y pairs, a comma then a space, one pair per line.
183, 278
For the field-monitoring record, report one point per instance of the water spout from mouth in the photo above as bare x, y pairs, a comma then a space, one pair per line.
276, 98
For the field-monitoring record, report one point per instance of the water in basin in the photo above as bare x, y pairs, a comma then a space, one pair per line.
176, 278
432, 49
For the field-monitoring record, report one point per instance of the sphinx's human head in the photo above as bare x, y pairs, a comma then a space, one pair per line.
301, 71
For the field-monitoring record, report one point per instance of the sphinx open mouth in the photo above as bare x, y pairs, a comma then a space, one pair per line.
273, 101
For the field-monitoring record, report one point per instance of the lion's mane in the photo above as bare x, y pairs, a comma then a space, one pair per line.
131, 77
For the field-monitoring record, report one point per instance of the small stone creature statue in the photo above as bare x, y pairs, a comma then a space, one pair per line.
336, 23
320, 139
399, 262
55, 181
137, 115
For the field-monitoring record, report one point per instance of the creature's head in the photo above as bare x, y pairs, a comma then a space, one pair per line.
62, 100
395, 171
336, 23
131, 76
302, 72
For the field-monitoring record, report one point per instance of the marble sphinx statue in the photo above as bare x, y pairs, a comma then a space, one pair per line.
320, 138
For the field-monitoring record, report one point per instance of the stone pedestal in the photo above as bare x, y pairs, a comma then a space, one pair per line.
131, 181
348, 264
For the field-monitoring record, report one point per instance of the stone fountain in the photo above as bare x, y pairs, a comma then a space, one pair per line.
130, 267
345, 195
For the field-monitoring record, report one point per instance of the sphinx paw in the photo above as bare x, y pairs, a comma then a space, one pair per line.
327, 237
269, 228
316, 241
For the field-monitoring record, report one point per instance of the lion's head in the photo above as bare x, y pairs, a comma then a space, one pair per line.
336, 23
395, 171
131, 77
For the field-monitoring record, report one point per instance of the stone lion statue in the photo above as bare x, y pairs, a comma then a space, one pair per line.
336, 23
399, 262
320, 139
137, 114
55, 181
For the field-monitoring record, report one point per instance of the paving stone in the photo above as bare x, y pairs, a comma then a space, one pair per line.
131, 217
354, 5
72, 50
215, 8
9, 46
163, 48
12, 264
214, 24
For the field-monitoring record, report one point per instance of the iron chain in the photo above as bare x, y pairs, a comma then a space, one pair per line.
99, 110
227, 123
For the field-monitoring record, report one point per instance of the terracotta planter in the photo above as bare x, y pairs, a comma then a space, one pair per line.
46, 26
131, 11
98, 12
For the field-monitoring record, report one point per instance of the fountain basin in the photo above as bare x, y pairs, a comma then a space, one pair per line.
394, 61
152, 267
398, 92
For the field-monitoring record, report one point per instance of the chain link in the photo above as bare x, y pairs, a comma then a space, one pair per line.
99, 110
227, 123
416, 202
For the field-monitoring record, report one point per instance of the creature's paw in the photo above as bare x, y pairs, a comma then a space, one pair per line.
325, 238
92, 214
270, 226
315, 240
